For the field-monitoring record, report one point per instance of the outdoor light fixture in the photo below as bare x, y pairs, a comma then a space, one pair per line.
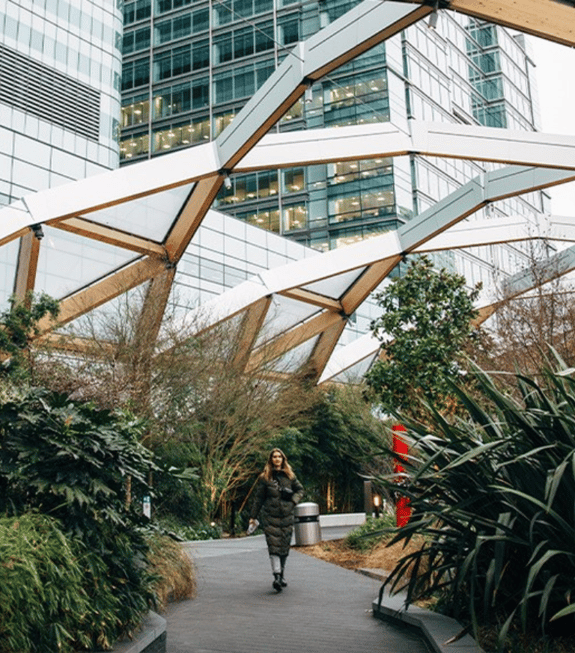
37, 231
227, 181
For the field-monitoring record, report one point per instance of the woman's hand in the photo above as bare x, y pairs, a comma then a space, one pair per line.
286, 493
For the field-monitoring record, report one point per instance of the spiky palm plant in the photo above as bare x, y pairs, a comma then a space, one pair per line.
493, 495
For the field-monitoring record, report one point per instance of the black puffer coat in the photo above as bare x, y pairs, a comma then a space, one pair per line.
276, 510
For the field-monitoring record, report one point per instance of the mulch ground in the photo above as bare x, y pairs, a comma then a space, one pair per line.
379, 557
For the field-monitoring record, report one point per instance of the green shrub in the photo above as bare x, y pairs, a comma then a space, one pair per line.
493, 496
71, 461
373, 531
43, 602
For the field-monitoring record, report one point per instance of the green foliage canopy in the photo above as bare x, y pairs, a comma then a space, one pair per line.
426, 320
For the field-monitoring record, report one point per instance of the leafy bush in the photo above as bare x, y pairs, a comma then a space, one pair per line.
43, 602
493, 497
373, 531
71, 461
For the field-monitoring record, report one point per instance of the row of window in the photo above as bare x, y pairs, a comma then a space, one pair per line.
137, 10
224, 11
322, 240
235, 44
243, 42
180, 98
182, 60
346, 171
261, 185
293, 217
189, 96
356, 100
181, 26
194, 131
241, 82
136, 40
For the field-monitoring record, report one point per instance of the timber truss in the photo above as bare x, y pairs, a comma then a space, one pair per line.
148, 213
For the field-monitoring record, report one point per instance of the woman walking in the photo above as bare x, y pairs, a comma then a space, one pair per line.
276, 495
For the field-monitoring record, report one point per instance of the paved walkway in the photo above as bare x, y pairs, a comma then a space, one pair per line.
325, 608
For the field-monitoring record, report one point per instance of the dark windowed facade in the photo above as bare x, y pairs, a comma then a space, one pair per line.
205, 61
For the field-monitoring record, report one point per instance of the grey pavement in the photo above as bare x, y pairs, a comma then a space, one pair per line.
325, 608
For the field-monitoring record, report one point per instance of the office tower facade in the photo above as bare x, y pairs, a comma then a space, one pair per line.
60, 70
189, 67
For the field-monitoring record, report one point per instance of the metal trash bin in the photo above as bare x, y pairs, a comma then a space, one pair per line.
306, 524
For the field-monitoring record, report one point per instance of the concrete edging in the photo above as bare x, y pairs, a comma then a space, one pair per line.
440, 632
345, 519
151, 638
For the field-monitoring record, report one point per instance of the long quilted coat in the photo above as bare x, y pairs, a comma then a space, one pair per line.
275, 512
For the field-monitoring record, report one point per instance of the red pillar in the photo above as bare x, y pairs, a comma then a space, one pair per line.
400, 448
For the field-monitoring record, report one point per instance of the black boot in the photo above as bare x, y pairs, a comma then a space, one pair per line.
277, 584
283, 582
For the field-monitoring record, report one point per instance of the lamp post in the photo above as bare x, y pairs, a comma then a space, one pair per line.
367, 498
376, 505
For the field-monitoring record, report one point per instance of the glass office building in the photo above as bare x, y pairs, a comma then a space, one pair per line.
190, 66
60, 70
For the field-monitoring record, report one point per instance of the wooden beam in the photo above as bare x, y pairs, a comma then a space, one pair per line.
191, 216
153, 309
367, 283
485, 312
250, 328
111, 236
27, 266
16, 234
548, 19
324, 348
146, 333
78, 344
310, 297
291, 339
99, 293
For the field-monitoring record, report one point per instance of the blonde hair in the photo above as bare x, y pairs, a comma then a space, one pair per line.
269, 467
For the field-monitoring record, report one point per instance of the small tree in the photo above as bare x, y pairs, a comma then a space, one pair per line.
524, 327
19, 325
216, 415
426, 321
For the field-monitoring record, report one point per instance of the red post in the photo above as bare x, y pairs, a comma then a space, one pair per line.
402, 509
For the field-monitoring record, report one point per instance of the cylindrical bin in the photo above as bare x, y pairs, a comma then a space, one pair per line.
306, 526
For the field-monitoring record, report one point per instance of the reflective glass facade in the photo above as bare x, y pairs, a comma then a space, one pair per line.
60, 70
205, 60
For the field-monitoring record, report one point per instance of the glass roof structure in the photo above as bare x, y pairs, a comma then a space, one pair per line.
90, 241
